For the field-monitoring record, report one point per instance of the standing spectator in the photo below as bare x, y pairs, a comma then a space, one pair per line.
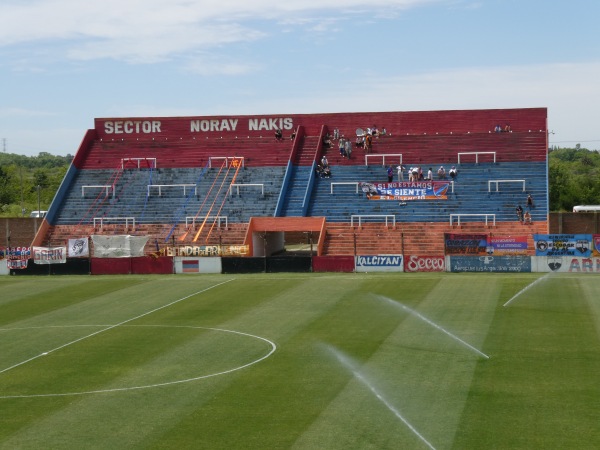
529, 201
400, 172
519, 211
430, 174
348, 147
415, 174
368, 143
324, 162
342, 147
336, 133
390, 174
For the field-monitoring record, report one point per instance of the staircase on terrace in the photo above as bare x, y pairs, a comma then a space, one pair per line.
300, 172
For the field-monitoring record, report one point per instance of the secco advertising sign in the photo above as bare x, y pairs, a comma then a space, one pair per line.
415, 263
379, 263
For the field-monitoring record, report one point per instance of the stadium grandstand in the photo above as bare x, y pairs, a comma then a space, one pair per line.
231, 181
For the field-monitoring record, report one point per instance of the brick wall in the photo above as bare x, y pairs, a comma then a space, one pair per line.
21, 231
18, 232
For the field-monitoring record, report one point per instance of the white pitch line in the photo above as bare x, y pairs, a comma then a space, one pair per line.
530, 285
435, 325
111, 327
166, 383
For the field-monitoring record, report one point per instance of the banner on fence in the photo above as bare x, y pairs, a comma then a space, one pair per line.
379, 263
197, 265
407, 190
563, 244
507, 245
119, 246
17, 257
596, 241
466, 244
490, 263
49, 255
206, 250
571, 264
78, 248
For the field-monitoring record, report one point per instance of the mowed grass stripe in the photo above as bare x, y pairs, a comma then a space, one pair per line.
271, 403
116, 355
302, 397
540, 390
418, 370
39, 298
105, 428
114, 300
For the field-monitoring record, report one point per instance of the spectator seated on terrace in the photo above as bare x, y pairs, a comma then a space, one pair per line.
507, 128
453, 172
498, 128
293, 136
278, 134
360, 141
323, 172
327, 141
527, 218
369, 189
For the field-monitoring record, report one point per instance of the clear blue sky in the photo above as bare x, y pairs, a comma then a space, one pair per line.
65, 62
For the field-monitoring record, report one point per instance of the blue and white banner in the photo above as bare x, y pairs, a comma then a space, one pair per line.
379, 263
563, 244
490, 263
407, 190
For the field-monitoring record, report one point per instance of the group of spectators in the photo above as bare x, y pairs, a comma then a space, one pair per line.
416, 173
279, 135
500, 129
524, 216
323, 169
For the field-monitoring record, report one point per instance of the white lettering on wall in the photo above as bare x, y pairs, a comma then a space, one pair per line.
271, 124
132, 126
213, 125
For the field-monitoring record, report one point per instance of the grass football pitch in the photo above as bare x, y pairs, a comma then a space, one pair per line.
300, 361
